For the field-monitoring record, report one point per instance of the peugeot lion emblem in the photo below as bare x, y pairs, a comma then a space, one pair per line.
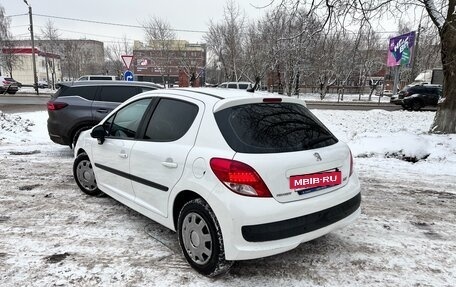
317, 156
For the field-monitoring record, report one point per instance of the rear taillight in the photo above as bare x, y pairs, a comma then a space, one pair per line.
53, 106
239, 177
6, 82
351, 163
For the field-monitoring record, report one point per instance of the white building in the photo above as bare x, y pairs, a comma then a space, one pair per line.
23, 69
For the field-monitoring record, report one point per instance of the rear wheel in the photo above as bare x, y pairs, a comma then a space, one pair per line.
84, 175
201, 239
416, 105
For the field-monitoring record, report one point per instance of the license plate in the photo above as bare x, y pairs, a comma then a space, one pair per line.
315, 180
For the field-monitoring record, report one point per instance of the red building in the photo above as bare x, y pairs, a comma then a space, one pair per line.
173, 62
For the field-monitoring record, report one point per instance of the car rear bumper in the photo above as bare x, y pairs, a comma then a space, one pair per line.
259, 227
56, 135
397, 101
301, 225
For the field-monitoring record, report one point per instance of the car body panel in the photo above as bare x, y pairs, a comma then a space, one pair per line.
162, 163
204, 141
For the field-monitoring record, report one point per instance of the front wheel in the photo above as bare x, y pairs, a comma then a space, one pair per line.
201, 239
84, 175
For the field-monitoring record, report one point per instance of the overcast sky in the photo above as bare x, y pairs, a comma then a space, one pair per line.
183, 15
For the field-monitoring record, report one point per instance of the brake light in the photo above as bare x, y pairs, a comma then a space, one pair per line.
239, 177
6, 82
351, 164
54, 106
272, 100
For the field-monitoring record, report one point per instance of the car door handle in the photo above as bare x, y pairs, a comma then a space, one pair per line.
123, 155
103, 111
169, 164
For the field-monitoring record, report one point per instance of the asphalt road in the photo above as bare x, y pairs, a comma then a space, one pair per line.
29, 102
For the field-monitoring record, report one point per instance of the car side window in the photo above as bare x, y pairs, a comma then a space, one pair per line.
124, 124
83, 79
171, 120
117, 93
232, 86
87, 93
243, 86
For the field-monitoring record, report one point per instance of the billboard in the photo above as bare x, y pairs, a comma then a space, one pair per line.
400, 50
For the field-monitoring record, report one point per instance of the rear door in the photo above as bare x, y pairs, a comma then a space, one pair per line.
158, 160
287, 146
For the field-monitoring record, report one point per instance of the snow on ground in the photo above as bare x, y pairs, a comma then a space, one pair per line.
51, 234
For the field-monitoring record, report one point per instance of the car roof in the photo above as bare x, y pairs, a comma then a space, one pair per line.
224, 93
236, 83
109, 83
107, 76
224, 98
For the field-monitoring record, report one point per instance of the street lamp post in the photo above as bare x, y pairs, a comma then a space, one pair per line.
35, 78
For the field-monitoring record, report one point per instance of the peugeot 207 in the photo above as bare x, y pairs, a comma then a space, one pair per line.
237, 175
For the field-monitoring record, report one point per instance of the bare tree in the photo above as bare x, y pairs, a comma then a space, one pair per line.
441, 12
4, 25
226, 40
51, 45
8, 58
114, 52
160, 36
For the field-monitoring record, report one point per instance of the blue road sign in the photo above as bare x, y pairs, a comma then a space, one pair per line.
128, 75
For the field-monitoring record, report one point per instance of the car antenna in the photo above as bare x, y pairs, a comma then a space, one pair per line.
252, 89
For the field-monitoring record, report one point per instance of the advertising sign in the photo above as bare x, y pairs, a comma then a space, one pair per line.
400, 50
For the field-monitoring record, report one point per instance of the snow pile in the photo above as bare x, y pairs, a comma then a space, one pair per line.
14, 126
24, 127
393, 135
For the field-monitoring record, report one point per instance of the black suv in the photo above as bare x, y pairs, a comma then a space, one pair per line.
78, 106
417, 97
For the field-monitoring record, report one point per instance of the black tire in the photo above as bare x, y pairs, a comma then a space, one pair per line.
11, 93
84, 175
198, 226
416, 105
77, 133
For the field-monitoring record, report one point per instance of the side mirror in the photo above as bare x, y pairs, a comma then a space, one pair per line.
99, 133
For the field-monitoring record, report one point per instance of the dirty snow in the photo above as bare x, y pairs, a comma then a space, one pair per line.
51, 234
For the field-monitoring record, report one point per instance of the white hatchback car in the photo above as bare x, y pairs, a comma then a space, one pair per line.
238, 175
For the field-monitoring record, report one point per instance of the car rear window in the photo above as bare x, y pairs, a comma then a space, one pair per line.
272, 128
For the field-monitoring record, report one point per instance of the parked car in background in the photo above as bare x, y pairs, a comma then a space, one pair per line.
236, 85
78, 106
416, 97
98, 78
8, 85
19, 84
42, 84
238, 175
